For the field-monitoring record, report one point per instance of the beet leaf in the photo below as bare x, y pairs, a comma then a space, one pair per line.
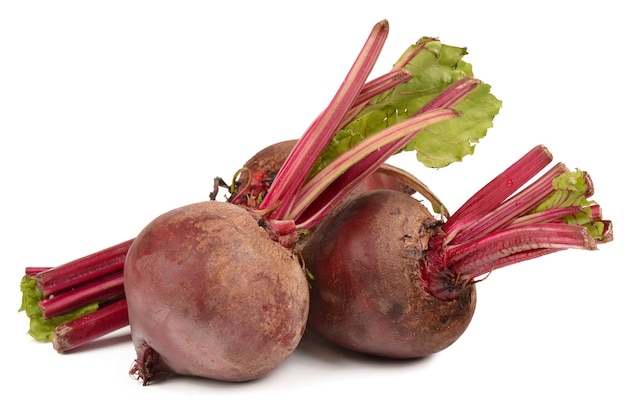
433, 67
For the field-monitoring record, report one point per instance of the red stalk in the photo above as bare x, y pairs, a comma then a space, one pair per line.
462, 258
95, 278
414, 52
82, 270
395, 77
514, 245
95, 291
373, 88
91, 327
498, 189
33, 270
302, 159
509, 210
512, 259
497, 228
379, 85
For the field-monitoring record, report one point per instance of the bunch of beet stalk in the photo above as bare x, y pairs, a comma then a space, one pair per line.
509, 220
79, 301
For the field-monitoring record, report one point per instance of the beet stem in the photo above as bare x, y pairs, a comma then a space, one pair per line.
493, 230
511, 259
464, 258
497, 190
82, 270
88, 284
379, 85
91, 327
95, 291
374, 88
554, 215
510, 209
33, 270
419, 47
302, 158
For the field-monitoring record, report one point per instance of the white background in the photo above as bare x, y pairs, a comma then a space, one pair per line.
114, 112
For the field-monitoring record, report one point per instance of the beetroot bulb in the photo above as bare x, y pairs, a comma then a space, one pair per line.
366, 293
210, 295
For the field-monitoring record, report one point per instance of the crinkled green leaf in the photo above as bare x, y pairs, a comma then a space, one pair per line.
569, 190
450, 141
433, 69
42, 329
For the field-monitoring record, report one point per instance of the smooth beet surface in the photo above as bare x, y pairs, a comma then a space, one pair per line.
210, 295
367, 294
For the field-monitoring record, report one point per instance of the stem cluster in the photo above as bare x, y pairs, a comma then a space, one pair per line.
500, 226
79, 301
297, 197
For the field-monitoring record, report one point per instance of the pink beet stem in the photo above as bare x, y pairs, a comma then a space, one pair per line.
554, 215
381, 84
498, 227
518, 257
33, 270
465, 258
106, 287
398, 75
419, 47
374, 88
83, 270
510, 209
302, 158
91, 326
498, 189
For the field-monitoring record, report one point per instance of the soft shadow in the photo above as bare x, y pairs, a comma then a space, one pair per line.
184, 381
314, 347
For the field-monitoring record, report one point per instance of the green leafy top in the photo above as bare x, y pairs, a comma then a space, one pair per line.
433, 67
572, 189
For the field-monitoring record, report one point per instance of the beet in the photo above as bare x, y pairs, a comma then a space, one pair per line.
210, 295
366, 293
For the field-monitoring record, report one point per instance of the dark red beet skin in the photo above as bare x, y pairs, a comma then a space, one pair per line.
210, 295
367, 294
